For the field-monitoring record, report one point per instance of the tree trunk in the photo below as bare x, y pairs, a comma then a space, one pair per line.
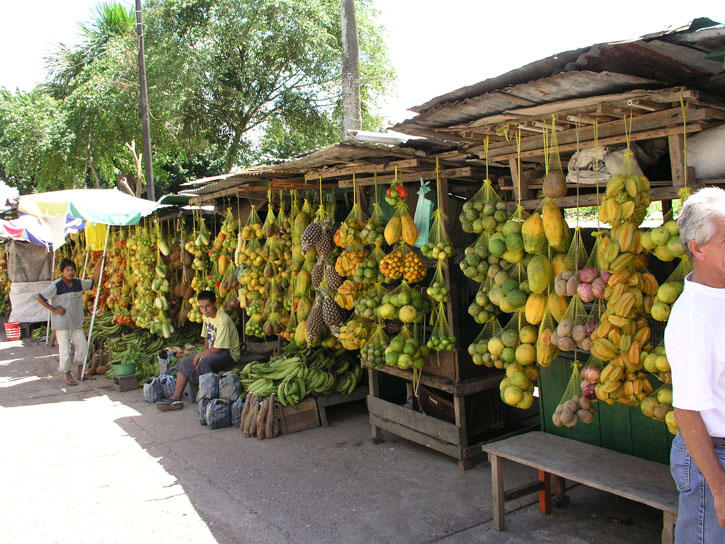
351, 115
233, 150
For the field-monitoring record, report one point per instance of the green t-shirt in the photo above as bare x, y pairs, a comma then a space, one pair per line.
221, 333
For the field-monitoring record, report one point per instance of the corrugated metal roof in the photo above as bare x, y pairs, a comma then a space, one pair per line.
562, 86
661, 60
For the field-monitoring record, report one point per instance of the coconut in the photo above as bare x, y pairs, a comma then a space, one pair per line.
585, 402
571, 286
566, 417
572, 405
556, 419
554, 184
566, 343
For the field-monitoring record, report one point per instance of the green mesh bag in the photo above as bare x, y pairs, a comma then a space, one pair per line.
574, 408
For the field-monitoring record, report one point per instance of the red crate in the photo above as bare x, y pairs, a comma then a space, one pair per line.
12, 331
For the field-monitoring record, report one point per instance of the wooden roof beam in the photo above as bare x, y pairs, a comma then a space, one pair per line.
408, 177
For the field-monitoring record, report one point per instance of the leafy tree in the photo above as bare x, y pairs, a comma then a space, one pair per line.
257, 66
230, 82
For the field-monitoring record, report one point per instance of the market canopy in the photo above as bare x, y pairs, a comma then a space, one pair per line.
36, 230
107, 206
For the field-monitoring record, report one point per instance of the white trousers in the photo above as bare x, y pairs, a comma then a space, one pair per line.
67, 337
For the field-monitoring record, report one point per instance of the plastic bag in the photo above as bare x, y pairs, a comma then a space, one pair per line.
575, 330
478, 350
167, 363
510, 287
403, 262
438, 245
658, 406
201, 407
404, 304
441, 338
573, 406
373, 351
546, 350
485, 212
218, 414
168, 386
208, 386
476, 260
152, 390
506, 346
670, 291
350, 231
368, 271
656, 363
229, 387
236, 412
405, 352
423, 211
509, 243
372, 233
589, 375
252, 229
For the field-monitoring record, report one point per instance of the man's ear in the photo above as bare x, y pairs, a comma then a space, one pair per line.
695, 249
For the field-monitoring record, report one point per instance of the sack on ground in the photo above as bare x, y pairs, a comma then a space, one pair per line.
152, 391
218, 414
229, 387
237, 407
203, 403
167, 363
208, 386
168, 385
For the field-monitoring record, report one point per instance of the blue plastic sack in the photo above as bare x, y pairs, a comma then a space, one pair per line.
423, 211
218, 414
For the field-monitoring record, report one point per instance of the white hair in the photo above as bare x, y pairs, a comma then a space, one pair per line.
696, 221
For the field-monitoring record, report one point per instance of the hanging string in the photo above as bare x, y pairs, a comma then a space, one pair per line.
485, 154
354, 190
684, 104
576, 176
545, 135
375, 184
628, 135
595, 129
438, 185
518, 164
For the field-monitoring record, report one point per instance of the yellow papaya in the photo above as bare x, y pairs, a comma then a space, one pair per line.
540, 274
302, 287
409, 232
557, 306
562, 264
532, 231
393, 230
555, 227
301, 334
535, 308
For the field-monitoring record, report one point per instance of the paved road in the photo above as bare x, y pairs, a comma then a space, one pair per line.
90, 464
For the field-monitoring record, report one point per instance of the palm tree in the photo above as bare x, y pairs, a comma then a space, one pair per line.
109, 20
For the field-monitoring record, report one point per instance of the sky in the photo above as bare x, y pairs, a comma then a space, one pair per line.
435, 46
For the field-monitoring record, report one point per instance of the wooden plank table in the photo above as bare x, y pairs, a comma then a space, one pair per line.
333, 400
636, 479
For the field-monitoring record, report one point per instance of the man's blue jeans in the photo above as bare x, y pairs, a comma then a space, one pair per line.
696, 520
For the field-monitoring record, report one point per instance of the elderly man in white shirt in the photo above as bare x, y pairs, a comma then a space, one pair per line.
695, 344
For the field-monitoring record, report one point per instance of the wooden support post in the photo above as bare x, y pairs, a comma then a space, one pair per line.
497, 491
668, 527
676, 143
559, 487
545, 494
374, 387
459, 410
666, 207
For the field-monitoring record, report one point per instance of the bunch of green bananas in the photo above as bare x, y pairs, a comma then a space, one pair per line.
347, 383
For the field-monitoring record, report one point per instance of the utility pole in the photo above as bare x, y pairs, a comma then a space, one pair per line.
146, 130
351, 115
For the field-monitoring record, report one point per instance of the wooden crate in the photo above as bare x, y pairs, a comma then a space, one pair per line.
300, 418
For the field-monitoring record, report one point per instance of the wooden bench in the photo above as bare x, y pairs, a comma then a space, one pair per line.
636, 479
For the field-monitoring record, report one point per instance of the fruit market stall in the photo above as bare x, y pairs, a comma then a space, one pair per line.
398, 271
590, 132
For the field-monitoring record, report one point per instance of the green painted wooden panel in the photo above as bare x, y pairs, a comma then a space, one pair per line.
649, 437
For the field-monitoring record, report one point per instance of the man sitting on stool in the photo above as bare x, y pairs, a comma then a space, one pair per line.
222, 350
